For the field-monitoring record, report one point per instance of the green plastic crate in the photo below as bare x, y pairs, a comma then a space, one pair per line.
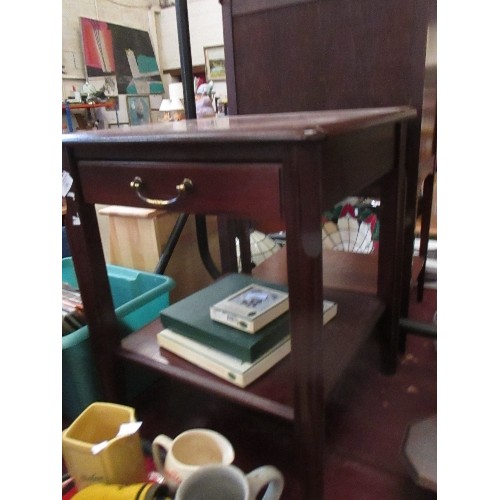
138, 298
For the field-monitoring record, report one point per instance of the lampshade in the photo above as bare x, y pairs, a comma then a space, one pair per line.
165, 105
176, 104
171, 105
261, 247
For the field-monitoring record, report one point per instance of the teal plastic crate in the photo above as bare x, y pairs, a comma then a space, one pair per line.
138, 298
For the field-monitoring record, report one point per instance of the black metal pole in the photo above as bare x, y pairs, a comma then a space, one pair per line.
190, 112
185, 57
171, 244
203, 247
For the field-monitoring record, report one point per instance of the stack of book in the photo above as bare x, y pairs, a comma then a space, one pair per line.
237, 328
73, 316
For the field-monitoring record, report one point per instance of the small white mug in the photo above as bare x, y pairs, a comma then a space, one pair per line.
227, 482
189, 451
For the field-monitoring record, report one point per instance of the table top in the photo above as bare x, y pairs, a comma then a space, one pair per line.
293, 126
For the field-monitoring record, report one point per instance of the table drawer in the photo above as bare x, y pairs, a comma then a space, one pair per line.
248, 190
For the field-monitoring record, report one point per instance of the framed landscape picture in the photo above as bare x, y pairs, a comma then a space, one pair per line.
139, 109
215, 63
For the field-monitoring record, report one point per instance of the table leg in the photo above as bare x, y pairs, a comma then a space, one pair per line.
305, 283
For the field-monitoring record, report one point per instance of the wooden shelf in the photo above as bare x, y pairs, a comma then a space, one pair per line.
273, 392
73, 77
346, 271
78, 105
352, 272
176, 72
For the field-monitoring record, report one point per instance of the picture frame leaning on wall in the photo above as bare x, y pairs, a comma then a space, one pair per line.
139, 109
215, 63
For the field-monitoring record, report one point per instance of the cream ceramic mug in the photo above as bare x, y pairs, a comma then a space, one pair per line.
227, 482
188, 452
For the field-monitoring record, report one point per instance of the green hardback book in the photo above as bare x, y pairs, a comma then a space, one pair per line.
191, 317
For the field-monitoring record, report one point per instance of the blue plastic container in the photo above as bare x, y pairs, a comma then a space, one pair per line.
138, 298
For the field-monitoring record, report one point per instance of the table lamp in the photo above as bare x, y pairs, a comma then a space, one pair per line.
173, 109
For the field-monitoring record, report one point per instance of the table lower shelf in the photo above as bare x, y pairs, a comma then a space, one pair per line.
272, 393
354, 272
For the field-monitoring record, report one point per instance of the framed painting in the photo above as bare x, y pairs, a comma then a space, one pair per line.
120, 59
215, 63
139, 109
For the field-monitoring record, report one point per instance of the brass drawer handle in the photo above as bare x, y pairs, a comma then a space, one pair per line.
185, 187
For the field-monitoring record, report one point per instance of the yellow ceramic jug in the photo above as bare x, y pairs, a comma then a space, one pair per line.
143, 491
103, 445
